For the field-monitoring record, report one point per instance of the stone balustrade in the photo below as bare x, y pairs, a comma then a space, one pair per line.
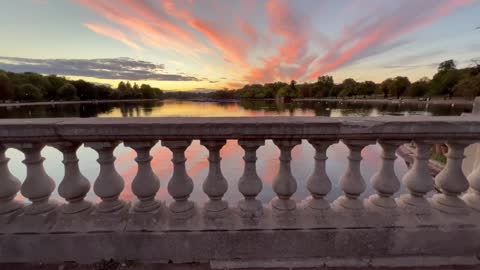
436, 219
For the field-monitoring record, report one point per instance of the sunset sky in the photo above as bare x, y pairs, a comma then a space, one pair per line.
212, 44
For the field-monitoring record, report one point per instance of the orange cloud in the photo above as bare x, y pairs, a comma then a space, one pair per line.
233, 48
374, 34
248, 30
112, 33
150, 34
294, 48
294, 31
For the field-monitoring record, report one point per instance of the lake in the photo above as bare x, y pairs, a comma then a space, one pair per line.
231, 153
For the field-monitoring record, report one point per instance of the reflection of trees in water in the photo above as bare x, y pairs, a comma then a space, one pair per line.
147, 107
93, 110
319, 108
131, 109
324, 108
78, 110
269, 106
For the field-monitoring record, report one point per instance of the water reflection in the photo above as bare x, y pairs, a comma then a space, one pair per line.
232, 153
241, 108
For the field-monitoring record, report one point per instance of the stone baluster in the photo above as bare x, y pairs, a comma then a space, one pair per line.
74, 186
146, 184
109, 184
250, 184
385, 182
38, 186
418, 181
284, 184
318, 184
472, 197
215, 185
9, 186
451, 181
180, 185
352, 182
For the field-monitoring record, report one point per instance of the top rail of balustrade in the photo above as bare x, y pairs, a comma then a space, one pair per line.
180, 128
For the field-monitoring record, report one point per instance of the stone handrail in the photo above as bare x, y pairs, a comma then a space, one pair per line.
383, 225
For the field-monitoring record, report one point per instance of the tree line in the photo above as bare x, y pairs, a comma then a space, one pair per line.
447, 82
30, 86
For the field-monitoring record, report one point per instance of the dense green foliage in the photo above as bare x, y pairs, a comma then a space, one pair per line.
447, 82
35, 87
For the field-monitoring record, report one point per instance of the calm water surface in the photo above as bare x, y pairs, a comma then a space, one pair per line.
232, 162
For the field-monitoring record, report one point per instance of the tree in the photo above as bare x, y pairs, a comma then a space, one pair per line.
323, 86
6, 88
85, 90
469, 87
158, 93
67, 92
287, 92
385, 87
348, 87
366, 88
447, 66
38, 81
398, 86
443, 82
295, 92
147, 91
29, 92
55, 84
418, 88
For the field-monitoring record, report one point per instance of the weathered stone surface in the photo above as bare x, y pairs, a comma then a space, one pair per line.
184, 247
413, 230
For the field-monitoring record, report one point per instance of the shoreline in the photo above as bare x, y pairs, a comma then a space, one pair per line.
412, 101
44, 103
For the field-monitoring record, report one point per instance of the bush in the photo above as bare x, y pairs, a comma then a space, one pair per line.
67, 92
6, 88
28, 92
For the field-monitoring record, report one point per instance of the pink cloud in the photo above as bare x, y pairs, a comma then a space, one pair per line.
112, 33
368, 36
248, 30
290, 46
293, 29
150, 34
233, 48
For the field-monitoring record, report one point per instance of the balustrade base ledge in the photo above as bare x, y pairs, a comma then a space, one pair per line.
384, 246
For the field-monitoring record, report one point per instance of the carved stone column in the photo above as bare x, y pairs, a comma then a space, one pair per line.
451, 181
418, 181
38, 186
352, 182
318, 184
146, 184
385, 182
109, 184
74, 186
472, 197
215, 185
284, 184
180, 185
250, 184
9, 186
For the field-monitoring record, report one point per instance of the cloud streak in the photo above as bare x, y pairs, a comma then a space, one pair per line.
370, 35
268, 40
103, 68
112, 33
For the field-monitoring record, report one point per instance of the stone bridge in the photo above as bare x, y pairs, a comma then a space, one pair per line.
419, 228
